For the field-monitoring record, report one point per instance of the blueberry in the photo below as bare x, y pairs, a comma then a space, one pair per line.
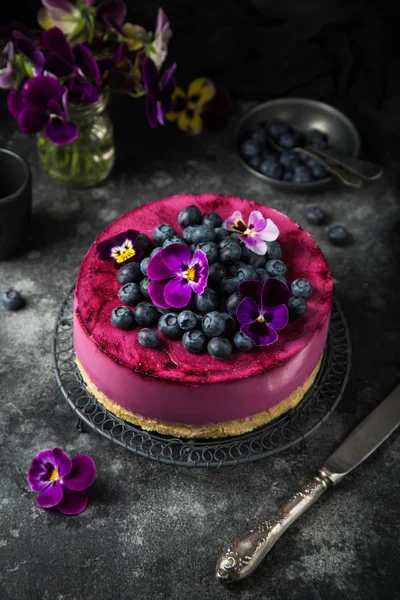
144, 264
301, 288
230, 323
122, 317
246, 273
216, 273
130, 294
207, 301
289, 159
229, 285
273, 250
316, 215
219, 348
232, 302
163, 232
301, 170
203, 233
277, 127
254, 161
175, 239
317, 138
255, 260
270, 170
148, 338
155, 251
231, 239
233, 268
250, 148
211, 250
260, 135
168, 325
297, 307
212, 219
338, 235
221, 233
230, 253
143, 241
12, 300
129, 273
194, 341
213, 324
187, 320
281, 278
144, 287
319, 172
275, 267
302, 177
288, 175
242, 342
262, 275
287, 140
187, 233
190, 215
146, 314
309, 161
164, 311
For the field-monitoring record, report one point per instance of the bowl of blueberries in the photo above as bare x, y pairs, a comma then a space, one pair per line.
270, 136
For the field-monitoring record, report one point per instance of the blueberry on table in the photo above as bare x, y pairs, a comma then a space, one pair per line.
210, 249
301, 288
221, 233
130, 294
212, 219
276, 127
194, 341
187, 320
232, 302
297, 307
276, 267
216, 273
130, 273
143, 241
219, 348
144, 287
230, 252
144, 265
146, 314
168, 325
163, 232
175, 239
190, 215
338, 235
203, 233
246, 273
207, 301
148, 338
213, 324
229, 285
316, 215
250, 147
273, 250
122, 317
242, 342
12, 300
319, 172
287, 140
262, 275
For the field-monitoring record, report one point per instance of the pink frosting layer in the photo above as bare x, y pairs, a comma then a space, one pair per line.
168, 383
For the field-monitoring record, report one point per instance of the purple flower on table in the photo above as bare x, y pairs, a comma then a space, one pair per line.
255, 233
8, 75
61, 481
120, 248
41, 105
158, 91
175, 274
75, 63
263, 310
162, 36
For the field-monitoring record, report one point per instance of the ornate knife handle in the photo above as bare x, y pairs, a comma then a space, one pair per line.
246, 553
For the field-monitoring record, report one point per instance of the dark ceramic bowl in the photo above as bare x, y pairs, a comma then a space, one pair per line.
306, 114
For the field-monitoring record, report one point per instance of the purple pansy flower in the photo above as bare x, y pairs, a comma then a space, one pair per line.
112, 13
175, 274
62, 13
255, 233
76, 63
61, 480
26, 46
120, 248
8, 74
263, 310
162, 36
159, 92
42, 105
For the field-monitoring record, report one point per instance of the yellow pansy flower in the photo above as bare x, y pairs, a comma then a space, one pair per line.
188, 106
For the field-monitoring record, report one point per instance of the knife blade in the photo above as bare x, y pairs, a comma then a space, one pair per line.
244, 555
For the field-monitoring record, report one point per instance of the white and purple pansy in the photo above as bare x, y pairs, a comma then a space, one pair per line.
263, 310
174, 274
255, 233
120, 248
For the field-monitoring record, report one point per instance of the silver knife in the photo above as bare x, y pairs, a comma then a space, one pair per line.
246, 553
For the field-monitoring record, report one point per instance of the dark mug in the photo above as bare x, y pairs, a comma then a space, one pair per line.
15, 202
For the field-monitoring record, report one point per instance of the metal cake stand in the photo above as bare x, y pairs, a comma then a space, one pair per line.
290, 429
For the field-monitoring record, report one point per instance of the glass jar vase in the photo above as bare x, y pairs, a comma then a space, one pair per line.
89, 159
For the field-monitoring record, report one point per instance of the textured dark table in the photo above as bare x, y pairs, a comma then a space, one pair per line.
152, 531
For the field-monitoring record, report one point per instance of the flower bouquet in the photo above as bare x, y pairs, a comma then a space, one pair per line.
60, 78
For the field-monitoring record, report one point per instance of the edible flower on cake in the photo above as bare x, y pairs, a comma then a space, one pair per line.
255, 233
120, 248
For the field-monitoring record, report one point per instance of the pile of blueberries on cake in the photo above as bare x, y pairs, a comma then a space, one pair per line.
209, 322
287, 165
